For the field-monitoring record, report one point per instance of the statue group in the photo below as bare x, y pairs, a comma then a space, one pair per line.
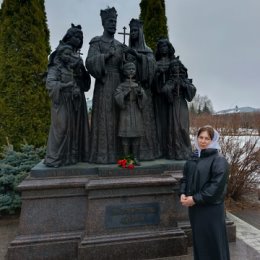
139, 101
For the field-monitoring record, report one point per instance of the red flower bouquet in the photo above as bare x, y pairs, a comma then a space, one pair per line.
127, 163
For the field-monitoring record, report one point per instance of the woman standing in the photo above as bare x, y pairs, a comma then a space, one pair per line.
202, 190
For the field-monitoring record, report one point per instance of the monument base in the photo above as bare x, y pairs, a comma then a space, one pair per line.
145, 245
132, 218
51, 246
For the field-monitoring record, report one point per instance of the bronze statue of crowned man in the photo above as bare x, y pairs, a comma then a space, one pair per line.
104, 62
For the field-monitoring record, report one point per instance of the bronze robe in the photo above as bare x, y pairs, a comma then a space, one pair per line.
178, 92
131, 101
68, 141
104, 121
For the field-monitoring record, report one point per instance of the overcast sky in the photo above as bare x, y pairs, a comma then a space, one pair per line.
218, 41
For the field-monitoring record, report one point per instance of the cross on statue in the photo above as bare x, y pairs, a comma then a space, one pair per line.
124, 33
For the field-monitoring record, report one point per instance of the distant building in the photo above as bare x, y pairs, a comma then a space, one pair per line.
238, 110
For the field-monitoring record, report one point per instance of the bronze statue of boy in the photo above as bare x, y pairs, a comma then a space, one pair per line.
131, 98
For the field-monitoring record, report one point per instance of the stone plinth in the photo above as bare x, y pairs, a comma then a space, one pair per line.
132, 218
52, 218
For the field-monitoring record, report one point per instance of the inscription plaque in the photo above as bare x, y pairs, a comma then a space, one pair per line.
132, 215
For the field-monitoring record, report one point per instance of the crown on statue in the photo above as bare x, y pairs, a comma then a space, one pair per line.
108, 13
74, 28
136, 23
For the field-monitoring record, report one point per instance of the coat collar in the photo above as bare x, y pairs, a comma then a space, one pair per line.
208, 152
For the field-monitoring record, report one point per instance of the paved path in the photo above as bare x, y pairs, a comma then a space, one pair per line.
246, 232
252, 216
247, 246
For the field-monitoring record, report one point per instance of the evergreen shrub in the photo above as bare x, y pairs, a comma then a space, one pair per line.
15, 167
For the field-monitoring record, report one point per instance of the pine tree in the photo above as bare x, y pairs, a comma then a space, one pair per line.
143, 7
24, 49
154, 20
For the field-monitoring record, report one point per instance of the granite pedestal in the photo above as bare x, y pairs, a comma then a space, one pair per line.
132, 218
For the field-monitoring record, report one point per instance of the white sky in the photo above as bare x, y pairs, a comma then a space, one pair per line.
218, 41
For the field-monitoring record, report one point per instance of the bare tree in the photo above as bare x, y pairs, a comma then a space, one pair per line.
201, 104
243, 155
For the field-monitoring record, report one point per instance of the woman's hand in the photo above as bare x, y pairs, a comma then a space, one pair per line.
134, 53
182, 198
187, 201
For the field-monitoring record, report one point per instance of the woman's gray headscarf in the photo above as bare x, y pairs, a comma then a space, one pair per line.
214, 143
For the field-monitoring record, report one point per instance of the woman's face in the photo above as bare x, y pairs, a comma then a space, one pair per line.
204, 140
163, 48
66, 55
75, 40
174, 69
134, 33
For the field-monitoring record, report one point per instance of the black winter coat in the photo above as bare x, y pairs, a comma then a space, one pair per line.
205, 178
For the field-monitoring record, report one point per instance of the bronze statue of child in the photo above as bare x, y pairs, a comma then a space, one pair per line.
130, 98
